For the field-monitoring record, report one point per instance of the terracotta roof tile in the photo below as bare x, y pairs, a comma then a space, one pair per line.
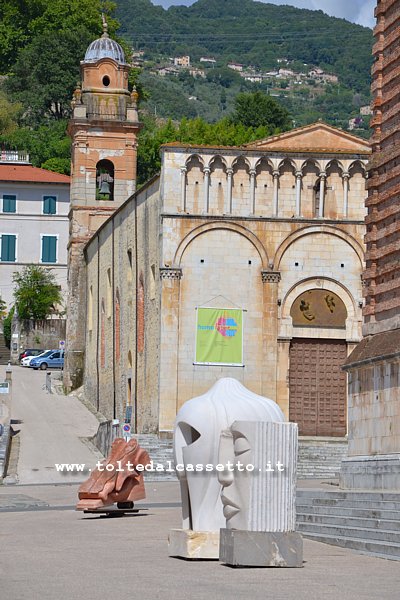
27, 173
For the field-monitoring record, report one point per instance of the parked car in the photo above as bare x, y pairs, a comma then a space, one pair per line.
25, 362
52, 359
30, 352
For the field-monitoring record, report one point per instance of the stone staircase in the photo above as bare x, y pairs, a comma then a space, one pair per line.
320, 458
160, 452
368, 522
4, 351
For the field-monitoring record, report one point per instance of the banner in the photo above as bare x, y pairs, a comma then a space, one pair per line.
219, 336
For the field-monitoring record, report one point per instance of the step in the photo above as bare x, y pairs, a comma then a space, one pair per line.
365, 533
356, 504
386, 550
350, 521
348, 494
345, 512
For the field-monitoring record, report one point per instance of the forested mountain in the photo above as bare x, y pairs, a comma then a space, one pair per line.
252, 33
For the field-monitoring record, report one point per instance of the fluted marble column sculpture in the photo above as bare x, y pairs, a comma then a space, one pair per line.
259, 495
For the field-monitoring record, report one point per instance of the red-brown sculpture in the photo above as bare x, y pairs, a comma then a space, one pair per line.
121, 483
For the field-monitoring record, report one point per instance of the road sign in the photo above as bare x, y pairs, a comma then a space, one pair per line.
61, 344
127, 428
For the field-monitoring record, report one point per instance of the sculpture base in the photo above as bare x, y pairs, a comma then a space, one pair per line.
193, 545
261, 548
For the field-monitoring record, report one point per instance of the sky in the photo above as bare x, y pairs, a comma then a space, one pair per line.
358, 11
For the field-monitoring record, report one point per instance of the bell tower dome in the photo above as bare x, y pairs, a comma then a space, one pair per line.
104, 128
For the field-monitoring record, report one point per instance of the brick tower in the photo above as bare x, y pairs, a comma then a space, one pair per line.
374, 366
103, 128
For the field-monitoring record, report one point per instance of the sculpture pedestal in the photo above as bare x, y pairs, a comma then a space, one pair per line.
185, 543
260, 548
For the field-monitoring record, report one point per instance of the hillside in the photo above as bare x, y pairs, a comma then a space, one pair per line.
255, 35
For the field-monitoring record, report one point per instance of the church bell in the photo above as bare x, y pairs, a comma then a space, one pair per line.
105, 188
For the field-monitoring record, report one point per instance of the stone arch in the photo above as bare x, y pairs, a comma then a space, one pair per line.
264, 159
216, 158
217, 187
358, 163
264, 189
334, 162
311, 162
326, 283
318, 229
334, 192
192, 158
194, 184
201, 229
241, 159
241, 203
105, 176
287, 162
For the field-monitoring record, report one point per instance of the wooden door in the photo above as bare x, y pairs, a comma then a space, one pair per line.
317, 387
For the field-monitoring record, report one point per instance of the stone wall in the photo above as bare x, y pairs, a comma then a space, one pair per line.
45, 334
123, 312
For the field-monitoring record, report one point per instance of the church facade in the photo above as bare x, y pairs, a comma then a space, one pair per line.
234, 262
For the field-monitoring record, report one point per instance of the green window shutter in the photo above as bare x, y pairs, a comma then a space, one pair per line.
49, 249
9, 204
49, 205
8, 243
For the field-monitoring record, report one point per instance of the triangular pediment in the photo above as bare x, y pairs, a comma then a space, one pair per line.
317, 137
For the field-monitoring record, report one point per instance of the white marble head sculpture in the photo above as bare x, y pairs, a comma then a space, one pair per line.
197, 432
259, 493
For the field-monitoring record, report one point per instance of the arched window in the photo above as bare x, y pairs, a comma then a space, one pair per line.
105, 180
140, 314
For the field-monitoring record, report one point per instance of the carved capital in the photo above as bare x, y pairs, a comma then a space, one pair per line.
270, 276
171, 273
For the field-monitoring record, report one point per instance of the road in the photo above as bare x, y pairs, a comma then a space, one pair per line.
51, 430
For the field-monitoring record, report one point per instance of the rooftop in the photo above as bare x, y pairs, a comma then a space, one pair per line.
29, 174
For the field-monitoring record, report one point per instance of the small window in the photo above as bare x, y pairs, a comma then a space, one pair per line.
49, 205
8, 245
49, 249
106, 81
9, 204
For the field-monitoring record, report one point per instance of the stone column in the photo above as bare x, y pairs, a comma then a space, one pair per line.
229, 173
322, 183
276, 193
169, 347
183, 188
206, 188
253, 191
271, 281
346, 177
299, 176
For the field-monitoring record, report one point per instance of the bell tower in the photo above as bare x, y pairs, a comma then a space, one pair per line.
104, 128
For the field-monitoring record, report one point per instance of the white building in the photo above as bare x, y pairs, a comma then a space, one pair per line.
34, 206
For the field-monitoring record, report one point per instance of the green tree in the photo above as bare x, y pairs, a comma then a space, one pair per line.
9, 114
260, 110
7, 327
36, 292
58, 165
